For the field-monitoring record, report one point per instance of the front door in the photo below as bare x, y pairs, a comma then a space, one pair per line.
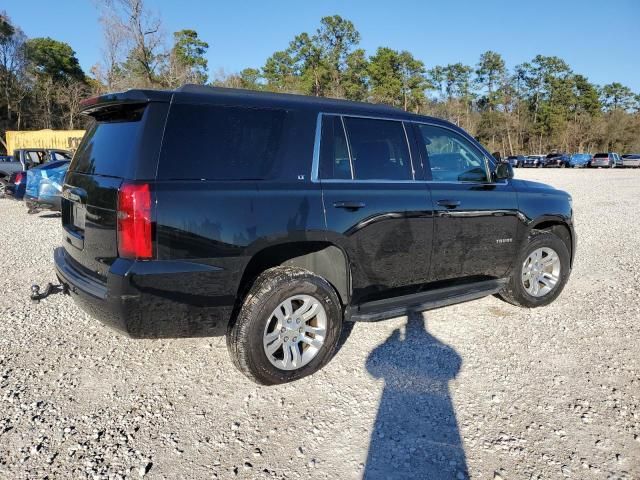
475, 218
375, 209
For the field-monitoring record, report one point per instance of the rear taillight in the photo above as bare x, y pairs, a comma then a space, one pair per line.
18, 178
134, 221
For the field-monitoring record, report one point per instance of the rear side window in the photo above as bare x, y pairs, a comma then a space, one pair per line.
379, 149
220, 143
110, 146
334, 154
60, 156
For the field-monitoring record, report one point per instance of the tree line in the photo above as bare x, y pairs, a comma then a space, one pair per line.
535, 107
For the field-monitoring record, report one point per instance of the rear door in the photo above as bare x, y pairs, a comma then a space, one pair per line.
475, 219
122, 143
376, 207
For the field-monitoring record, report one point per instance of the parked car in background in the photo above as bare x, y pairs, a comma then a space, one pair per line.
610, 160
7, 167
533, 161
559, 160
580, 160
15, 186
24, 159
44, 185
516, 160
631, 160
6, 158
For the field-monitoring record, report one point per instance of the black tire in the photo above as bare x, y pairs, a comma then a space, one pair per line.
515, 293
3, 186
245, 334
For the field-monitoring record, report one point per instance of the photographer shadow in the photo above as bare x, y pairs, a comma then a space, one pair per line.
416, 433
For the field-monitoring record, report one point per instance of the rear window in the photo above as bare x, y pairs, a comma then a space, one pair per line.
109, 147
601, 155
220, 143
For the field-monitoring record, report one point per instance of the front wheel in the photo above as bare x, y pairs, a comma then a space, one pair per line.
287, 328
541, 271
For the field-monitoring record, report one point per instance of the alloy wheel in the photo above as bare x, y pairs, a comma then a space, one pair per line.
295, 332
541, 271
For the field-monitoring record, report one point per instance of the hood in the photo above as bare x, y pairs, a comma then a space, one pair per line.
539, 188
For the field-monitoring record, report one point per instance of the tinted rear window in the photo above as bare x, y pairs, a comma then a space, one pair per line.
601, 155
220, 143
109, 148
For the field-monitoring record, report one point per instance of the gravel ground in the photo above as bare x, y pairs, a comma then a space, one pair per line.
484, 387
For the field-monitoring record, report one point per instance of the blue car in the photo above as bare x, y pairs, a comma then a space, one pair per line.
580, 160
44, 186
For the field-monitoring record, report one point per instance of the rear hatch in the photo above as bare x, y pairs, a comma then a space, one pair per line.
121, 146
601, 159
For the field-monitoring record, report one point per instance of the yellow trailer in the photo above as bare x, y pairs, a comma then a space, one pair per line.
63, 139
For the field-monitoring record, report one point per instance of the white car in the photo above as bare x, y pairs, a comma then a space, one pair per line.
631, 160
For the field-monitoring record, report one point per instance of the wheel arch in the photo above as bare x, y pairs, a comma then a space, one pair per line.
322, 258
560, 227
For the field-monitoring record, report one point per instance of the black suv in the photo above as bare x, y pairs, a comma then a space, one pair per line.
560, 160
273, 218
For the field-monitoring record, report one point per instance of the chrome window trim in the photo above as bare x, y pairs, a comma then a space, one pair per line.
346, 140
318, 140
406, 137
316, 149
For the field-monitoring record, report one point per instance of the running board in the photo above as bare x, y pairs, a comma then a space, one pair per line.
419, 302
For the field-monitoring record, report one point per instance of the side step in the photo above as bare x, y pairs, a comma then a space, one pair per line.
419, 302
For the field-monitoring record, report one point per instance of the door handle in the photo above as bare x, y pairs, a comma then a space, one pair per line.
349, 205
449, 203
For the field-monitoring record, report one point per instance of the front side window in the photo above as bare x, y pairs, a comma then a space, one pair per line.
451, 156
379, 149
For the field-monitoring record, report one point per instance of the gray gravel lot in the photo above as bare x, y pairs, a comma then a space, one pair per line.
483, 387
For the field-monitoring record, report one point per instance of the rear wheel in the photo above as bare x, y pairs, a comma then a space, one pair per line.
3, 187
541, 271
287, 328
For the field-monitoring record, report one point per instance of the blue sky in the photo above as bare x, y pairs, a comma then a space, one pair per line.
600, 39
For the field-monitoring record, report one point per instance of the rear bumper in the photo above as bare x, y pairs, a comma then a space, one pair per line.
15, 191
631, 163
49, 203
600, 163
155, 299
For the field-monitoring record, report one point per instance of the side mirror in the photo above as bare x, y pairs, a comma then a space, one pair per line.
497, 156
503, 171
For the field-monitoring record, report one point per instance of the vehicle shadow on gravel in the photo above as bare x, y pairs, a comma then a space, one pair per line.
416, 433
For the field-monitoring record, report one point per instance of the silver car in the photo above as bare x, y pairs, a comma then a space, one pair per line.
610, 160
631, 160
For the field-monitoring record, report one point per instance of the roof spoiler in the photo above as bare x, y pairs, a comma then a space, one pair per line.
92, 105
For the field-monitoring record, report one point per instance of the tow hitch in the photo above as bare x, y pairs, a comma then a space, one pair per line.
50, 289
